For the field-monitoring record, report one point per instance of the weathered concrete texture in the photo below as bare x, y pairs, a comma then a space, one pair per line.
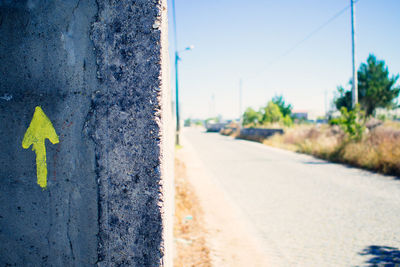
95, 68
126, 120
47, 60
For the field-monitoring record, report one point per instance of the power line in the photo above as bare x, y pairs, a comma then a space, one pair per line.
308, 36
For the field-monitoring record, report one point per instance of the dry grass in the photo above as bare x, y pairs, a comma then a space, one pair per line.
395, 125
190, 242
231, 130
379, 150
227, 131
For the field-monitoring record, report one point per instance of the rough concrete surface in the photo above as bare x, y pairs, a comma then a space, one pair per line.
94, 68
126, 123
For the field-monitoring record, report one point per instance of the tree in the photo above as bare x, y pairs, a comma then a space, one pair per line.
250, 116
352, 122
343, 99
271, 113
187, 122
287, 121
375, 87
286, 109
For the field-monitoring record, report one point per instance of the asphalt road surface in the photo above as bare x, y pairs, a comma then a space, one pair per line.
307, 212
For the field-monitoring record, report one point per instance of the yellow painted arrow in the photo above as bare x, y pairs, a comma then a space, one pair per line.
40, 129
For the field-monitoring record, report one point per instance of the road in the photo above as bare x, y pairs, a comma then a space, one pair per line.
307, 212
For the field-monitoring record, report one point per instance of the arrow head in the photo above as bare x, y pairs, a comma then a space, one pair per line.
39, 129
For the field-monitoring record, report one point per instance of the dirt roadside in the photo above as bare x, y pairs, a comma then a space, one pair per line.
190, 234
228, 239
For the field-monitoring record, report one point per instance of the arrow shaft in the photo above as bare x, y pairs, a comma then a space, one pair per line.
41, 164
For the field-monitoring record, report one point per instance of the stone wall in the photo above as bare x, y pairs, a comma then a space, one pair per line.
260, 132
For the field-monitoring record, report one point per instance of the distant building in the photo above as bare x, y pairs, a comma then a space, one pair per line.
300, 114
310, 116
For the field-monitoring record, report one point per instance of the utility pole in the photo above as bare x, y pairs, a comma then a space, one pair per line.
176, 76
240, 100
353, 41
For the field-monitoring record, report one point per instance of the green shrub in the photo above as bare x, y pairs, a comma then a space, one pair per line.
287, 121
271, 113
334, 121
352, 122
251, 117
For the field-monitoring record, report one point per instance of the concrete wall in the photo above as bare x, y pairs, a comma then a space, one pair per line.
96, 69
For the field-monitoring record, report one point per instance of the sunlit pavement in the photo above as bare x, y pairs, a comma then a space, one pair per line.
308, 212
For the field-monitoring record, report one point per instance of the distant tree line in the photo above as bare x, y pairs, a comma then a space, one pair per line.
277, 111
376, 89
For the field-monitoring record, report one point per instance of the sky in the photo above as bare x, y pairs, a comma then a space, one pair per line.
247, 40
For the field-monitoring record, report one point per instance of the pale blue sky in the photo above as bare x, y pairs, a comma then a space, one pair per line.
244, 39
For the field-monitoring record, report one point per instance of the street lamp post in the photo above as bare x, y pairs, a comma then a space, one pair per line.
177, 58
177, 99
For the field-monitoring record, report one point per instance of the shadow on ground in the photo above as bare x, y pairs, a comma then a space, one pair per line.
317, 162
379, 256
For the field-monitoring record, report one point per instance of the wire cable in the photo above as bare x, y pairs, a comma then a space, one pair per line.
307, 37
